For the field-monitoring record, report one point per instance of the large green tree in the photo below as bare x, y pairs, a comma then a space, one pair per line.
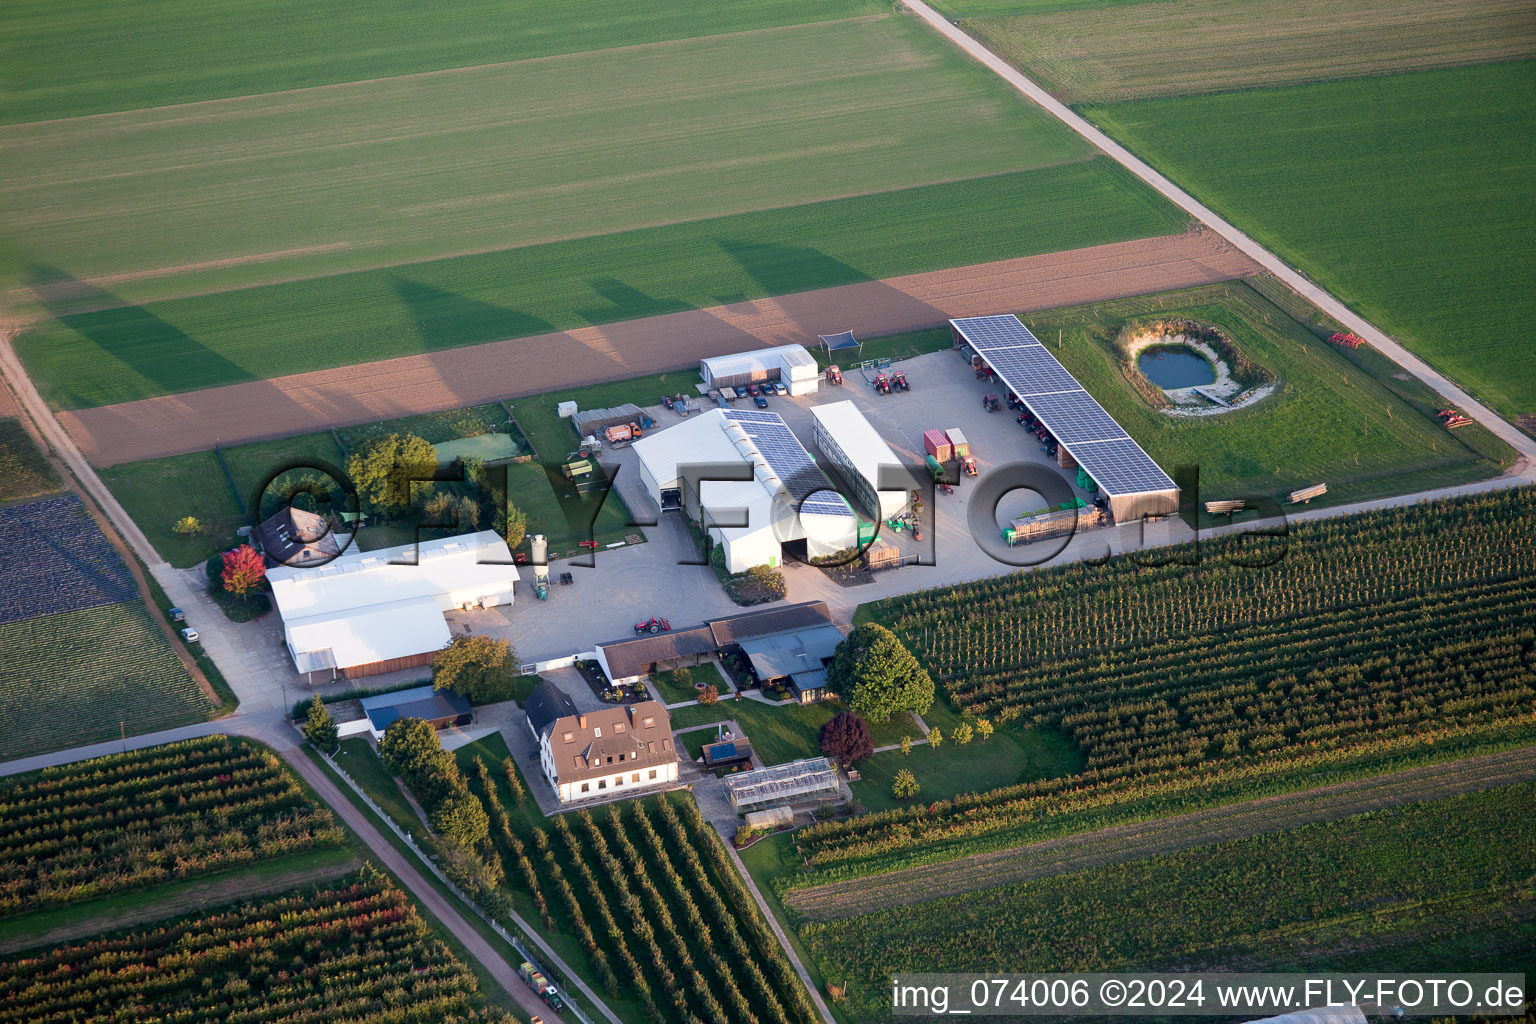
382, 471
410, 749
478, 667
319, 726
877, 676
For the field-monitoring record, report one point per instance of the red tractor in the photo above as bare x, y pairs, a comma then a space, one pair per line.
882, 384
834, 375
652, 625
899, 382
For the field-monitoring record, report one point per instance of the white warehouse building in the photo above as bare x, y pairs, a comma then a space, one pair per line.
848, 440
791, 365
782, 497
368, 612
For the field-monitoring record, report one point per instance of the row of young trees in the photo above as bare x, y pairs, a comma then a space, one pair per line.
144, 817
351, 952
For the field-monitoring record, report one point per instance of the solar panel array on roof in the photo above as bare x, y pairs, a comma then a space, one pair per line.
1123, 462
1074, 417
1099, 444
790, 462
986, 333
1036, 370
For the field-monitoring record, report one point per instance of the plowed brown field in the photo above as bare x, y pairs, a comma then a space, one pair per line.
478, 374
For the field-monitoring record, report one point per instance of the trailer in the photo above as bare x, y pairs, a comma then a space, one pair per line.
1057, 521
545, 988
935, 469
936, 444
957, 442
1306, 494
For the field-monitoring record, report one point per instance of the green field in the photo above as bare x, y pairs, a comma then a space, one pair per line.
168, 248
24, 471
1407, 196
88, 56
86, 676
1444, 885
139, 351
1339, 416
1113, 53
273, 187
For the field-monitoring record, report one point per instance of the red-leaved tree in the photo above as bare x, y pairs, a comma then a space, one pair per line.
243, 570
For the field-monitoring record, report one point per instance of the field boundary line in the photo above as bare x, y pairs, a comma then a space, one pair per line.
1140, 840
1318, 296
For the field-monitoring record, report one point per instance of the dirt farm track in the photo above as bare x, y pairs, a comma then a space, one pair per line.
478, 374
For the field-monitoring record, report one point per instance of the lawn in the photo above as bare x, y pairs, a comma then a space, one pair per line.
1113, 53
88, 56
24, 471
89, 676
120, 354
1407, 196
1339, 417
674, 693
784, 733
1013, 754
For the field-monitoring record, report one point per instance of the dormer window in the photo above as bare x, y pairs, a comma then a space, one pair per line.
570, 737
618, 727
597, 732
648, 721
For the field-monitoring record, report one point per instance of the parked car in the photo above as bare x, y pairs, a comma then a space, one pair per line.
754, 390
779, 388
762, 403
189, 635
741, 392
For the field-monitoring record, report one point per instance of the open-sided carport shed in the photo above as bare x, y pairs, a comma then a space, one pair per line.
1134, 485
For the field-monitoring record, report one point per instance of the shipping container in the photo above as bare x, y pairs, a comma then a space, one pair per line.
959, 446
936, 444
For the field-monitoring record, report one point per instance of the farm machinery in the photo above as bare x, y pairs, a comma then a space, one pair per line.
899, 382
652, 625
835, 375
991, 403
1452, 418
540, 545
543, 986
882, 384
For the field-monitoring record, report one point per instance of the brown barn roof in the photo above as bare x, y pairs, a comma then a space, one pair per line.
613, 740
735, 628
635, 657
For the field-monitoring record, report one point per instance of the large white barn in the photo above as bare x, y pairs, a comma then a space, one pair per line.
368, 612
873, 472
781, 498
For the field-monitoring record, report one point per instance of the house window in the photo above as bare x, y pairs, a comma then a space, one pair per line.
597, 732
586, 787
569, 737
648, 721
609, 760
602, 783
618, 780
618, 727
635, 777
653, 773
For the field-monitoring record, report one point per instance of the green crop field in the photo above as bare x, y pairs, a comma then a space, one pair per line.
87, 56
1407, 196
166, 248
277, 186
84, 676
1122, 52
1446, 885
1339, 416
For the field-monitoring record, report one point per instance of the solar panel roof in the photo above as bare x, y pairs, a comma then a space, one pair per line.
789, 460
1031, 370
987, 333
1099, 444
1073, 417
1121, 467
